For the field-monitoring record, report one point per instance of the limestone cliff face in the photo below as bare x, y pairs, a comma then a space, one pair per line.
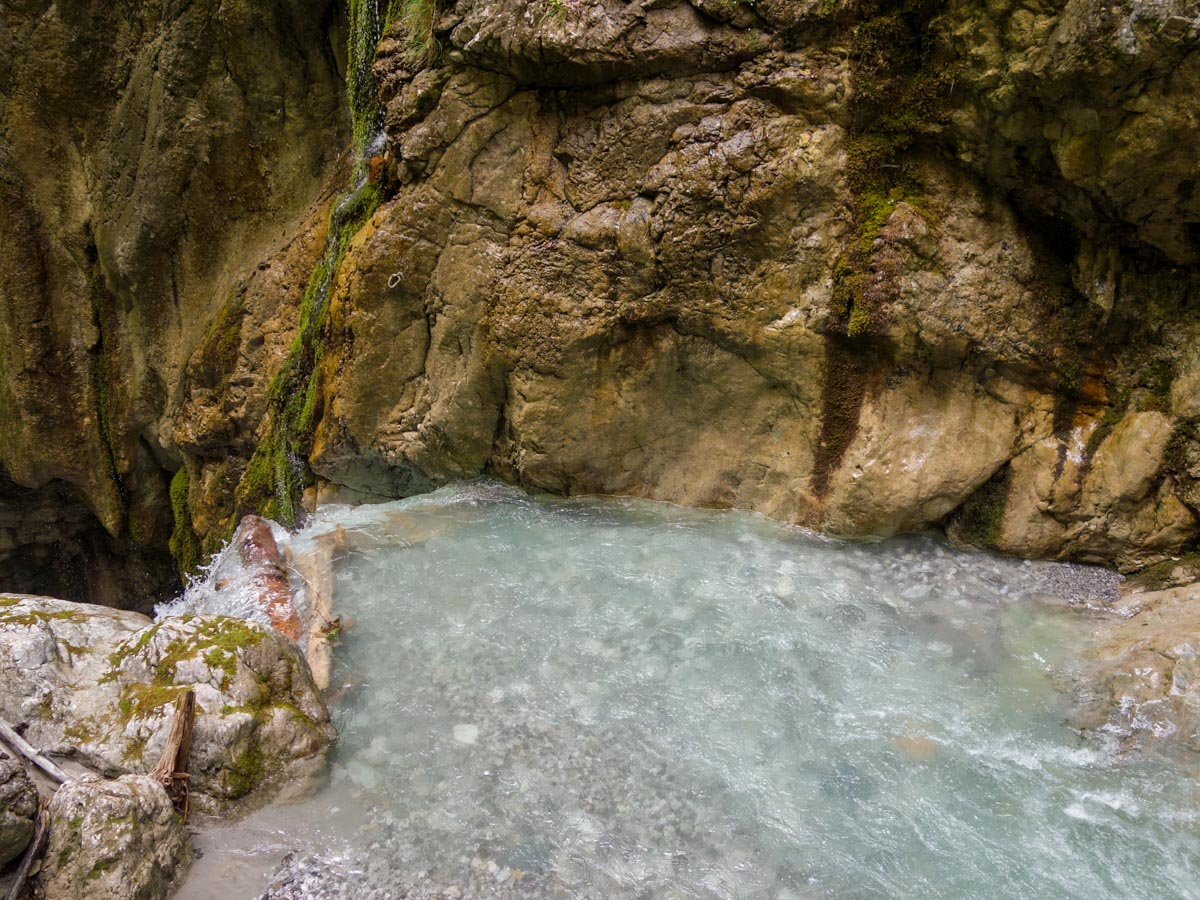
156, 164
868, 267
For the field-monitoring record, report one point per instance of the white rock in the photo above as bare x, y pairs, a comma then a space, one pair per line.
99, 684
466, 734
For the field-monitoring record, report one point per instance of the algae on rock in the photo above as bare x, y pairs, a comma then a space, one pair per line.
852, 265
99, 684
113, 840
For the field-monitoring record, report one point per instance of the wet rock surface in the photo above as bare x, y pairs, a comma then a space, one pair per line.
873, 268
1141, 685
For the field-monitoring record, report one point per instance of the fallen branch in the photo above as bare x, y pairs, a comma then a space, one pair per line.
172, 769
315, 569
40, 830
9, 735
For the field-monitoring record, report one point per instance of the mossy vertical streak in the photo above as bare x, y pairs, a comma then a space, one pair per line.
184, 543
362, 90
278, 472
848, 373
105, 322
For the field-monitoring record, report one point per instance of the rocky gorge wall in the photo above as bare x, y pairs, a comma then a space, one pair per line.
157, 162
869, 267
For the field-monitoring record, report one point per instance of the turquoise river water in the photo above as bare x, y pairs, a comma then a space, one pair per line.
614, 698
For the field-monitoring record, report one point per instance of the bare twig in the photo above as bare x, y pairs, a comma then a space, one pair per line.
9, 735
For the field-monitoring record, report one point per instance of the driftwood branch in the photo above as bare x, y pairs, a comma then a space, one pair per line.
172, 769
9, 735
40, 831
315, 569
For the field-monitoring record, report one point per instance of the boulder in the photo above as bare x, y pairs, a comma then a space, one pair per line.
18, 808
99, 685
1141, 680
113, 840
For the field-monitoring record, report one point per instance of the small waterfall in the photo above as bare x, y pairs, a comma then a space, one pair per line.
278, 473
366, 29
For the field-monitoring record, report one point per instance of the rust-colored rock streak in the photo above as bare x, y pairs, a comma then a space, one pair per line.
260, 554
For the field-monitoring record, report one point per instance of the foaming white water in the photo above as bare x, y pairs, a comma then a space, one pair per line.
614, 698
226, 587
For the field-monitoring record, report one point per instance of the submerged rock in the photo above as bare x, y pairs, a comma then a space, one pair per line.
113, 840
1141, 684
18, 808
99, 685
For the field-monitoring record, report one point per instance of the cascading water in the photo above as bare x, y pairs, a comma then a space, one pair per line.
278, 473
366, 30
604, 698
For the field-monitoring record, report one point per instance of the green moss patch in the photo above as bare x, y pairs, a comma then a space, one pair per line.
278, 473
900, 94
29, 617
184, 543
217, 641
980, 518
139, 700
247, 772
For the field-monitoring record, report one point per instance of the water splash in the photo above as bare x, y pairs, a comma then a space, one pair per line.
225, 587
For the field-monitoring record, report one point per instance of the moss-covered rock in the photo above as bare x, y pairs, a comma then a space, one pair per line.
113, 840
99, 685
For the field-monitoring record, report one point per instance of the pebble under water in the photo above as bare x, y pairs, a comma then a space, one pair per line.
615, 698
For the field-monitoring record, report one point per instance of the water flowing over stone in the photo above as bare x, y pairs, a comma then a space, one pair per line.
614, 698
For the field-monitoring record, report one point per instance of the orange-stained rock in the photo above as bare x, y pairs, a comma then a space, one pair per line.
259, 553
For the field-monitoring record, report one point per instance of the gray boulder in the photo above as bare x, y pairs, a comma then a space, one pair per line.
113, 840
99, 685
18, 807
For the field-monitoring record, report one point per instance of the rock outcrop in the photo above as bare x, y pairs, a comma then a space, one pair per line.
113, 840
157, 171
99, 684
18, 808
872, 267
1141, 682
737, 267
